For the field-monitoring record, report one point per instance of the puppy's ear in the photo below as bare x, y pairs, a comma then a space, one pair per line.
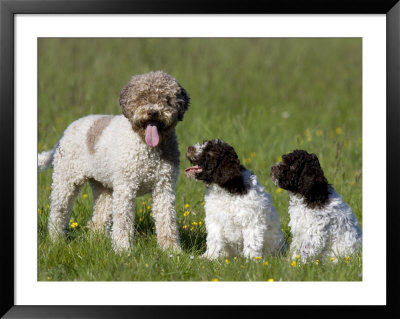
229, 173
124, 98
313, 185
183, 103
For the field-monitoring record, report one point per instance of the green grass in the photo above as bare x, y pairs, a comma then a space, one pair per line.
265, 97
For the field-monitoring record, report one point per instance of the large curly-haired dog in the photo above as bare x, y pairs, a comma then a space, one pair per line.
322, 224
122, 156
240, 218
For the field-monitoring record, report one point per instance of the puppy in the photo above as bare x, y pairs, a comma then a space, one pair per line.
240, 219
322, 224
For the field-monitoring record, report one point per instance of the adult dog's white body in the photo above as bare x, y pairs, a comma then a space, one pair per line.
122, 157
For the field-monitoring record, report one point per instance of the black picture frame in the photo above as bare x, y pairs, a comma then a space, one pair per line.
8, 10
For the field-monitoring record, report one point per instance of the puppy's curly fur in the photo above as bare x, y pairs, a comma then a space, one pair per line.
322, 224
122, 156
220, 165
301, 173
240, 218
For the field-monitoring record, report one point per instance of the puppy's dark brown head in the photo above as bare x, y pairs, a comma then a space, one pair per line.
216, 162
301, 173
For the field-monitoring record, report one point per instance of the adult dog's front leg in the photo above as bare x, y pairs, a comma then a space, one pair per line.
165, 215
123, 218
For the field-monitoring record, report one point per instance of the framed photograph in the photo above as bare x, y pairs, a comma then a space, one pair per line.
192, 113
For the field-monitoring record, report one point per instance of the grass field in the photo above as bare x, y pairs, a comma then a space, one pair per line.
265, 97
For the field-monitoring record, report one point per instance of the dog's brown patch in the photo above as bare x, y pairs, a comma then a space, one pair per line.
95, 131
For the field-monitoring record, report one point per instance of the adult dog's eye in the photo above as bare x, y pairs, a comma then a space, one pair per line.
169, 102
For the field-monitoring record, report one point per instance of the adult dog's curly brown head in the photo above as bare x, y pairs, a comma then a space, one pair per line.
216, 162
301, 173
153, 102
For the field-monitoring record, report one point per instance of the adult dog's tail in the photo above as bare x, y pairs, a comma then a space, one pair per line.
45, 159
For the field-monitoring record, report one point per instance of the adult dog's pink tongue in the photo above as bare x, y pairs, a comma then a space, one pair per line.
152, 138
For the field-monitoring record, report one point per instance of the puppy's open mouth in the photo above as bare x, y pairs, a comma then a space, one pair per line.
152, 136
191, 171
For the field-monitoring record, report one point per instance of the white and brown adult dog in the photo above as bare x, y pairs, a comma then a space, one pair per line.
240, 219
322, 224
122, 156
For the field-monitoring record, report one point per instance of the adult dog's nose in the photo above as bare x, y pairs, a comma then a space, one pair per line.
152, 113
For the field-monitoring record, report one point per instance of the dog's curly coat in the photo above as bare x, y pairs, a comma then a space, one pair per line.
240, 218
122, 157
322, 224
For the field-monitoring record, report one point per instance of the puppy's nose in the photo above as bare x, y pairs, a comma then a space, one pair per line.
190, 151
273, 170
152, 113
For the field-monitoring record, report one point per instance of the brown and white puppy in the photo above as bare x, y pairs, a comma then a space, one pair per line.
240, 219
322, 224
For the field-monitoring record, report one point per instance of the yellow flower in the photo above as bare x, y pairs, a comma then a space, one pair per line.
297, 256
39, 210
270, 279
192, 229
278, 190
74, 225
253, 154
184, 226
279, 159
347, 259
338, 130
186, 213
307, 134
187, 206
293, 264
203, 203
332, 259
227, 261
298, 139
200, 222
140, 219
214, 279
194, 223
318, 132
151, 214
247, 160
140, 210
148, 207
85, 195
257, 257
47, 206
317, 262
265, 263
146, 265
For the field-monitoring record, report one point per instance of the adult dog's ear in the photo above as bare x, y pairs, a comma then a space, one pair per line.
183, 101
124, 101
